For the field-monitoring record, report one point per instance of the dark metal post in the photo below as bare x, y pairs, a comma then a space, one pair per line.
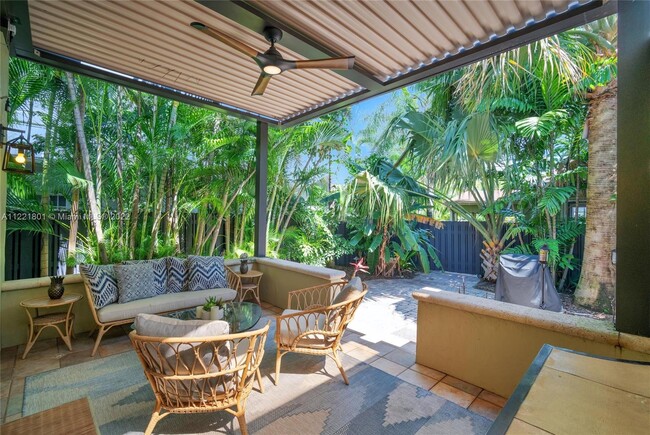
633, 169
262, 161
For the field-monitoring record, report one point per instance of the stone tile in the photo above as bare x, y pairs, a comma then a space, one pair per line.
432, 373
14, 417
349, 346
15, 404
6, 372
33, 365
387, 366
78, 357
351, 336
112, 348
453, 394
409, 347
495, 399
82, 342
380, 347
484, 408
4, 388
363, 354
8, 355
415, 378
17, 386
462, 385
401, 357
40, 346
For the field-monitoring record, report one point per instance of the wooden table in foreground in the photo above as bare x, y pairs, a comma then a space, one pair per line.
70, 418
567, 392
39, 322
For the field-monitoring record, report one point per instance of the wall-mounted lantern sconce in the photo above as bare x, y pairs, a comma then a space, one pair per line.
19, 154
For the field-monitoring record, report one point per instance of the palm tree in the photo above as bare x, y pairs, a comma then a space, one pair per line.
85, 158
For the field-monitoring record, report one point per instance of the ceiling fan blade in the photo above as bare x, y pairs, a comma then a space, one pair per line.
228, 40
261, 84
330, 63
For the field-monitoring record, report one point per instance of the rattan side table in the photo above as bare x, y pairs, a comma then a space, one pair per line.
250, 284
38, 322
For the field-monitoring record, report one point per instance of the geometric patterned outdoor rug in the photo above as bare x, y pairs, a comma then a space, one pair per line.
311, 399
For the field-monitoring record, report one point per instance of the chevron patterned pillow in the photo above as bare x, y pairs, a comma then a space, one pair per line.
176, 274
102, 283
206, 273
159, 272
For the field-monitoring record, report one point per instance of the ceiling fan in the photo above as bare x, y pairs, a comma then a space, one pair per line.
271, 61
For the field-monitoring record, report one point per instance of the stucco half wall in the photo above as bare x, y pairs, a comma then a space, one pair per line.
491, 344
280, 277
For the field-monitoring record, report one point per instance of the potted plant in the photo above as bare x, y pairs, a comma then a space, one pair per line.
212, 309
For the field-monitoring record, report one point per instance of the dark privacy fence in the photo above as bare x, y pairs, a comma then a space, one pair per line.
23, 249
458, 245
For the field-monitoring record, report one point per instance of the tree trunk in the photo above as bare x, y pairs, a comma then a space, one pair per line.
45, 192
74, 218
85, 157
120, 169
597, 285
161, 196
133, 219
490, 259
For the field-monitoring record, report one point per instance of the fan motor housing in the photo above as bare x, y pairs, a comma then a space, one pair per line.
272, 34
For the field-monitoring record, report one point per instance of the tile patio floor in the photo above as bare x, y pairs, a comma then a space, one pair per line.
382, 335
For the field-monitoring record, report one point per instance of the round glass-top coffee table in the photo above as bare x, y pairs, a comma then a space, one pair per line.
241, 316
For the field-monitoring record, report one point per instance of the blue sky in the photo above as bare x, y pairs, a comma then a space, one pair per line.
358, 119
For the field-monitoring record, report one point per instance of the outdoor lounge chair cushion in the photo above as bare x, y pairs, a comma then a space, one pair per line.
351, 290
205, 272
162, 303
151, 325
102, 283
293, 327
159, 272
135, 281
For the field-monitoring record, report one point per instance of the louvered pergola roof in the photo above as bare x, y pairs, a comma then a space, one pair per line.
149, 44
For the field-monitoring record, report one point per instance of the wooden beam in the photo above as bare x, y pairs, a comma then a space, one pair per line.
261, 182
633, 170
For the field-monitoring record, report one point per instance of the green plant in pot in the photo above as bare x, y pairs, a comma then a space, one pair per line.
212, 309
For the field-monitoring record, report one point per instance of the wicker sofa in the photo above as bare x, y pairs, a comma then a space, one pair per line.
173, 295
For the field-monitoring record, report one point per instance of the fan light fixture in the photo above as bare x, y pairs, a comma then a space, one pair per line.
272, 69
271, 61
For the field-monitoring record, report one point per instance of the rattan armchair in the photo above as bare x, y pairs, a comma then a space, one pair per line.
195, 375
313, 326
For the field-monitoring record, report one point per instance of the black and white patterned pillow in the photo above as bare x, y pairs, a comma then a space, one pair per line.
176, 274
159, 272
102, 283
135, 281
206, 273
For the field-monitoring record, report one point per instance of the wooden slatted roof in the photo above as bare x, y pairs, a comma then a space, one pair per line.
149, 44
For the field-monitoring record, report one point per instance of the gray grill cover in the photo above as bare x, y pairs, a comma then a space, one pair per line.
519, 281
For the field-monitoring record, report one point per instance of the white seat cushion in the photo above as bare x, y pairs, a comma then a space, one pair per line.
291, 328
150, 325
162, 303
